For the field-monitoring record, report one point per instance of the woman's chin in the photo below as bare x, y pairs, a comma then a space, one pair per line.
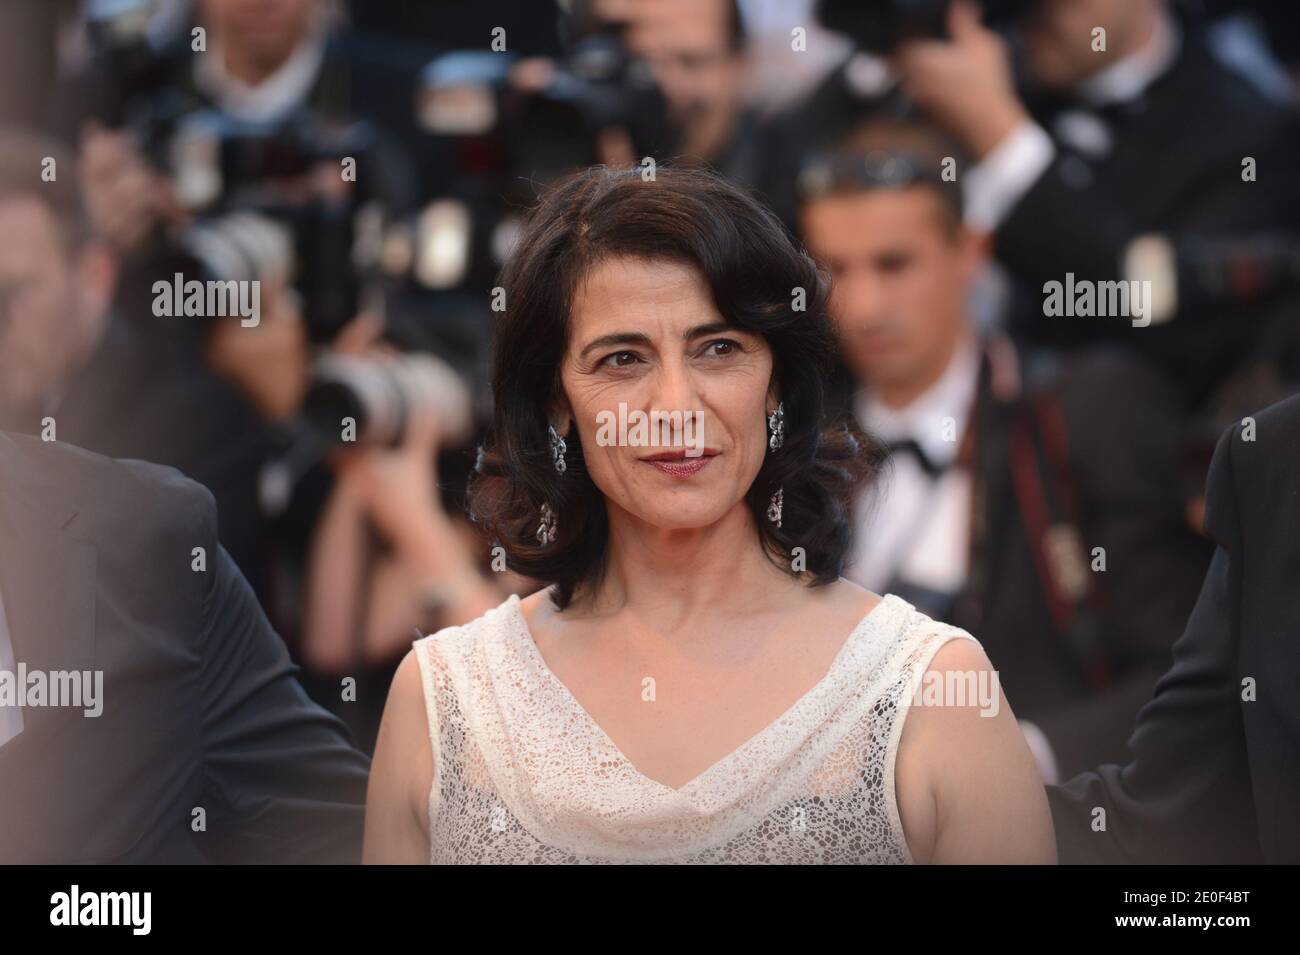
682, 515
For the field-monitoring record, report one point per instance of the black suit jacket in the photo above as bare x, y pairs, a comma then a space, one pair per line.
1176, 169
201, 706
1215, 776
1123, 431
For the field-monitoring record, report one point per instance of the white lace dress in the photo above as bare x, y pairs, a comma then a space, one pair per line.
522, 774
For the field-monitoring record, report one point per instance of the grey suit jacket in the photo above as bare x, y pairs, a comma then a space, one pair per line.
207, 748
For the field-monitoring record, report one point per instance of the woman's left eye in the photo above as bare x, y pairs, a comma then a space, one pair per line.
720, 348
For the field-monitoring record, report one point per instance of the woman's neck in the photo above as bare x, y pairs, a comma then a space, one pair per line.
674, 576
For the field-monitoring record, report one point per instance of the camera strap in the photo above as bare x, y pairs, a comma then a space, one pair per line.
1029, 433
1049, 503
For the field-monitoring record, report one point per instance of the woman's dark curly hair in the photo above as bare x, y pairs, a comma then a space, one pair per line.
758, 280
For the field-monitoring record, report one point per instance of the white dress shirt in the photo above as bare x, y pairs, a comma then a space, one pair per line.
1128, 78
915, 527
273, 98
11, 717
909, 523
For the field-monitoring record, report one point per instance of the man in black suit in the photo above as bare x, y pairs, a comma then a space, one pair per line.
204, 746
1215, 775
1044, 516
1131, 125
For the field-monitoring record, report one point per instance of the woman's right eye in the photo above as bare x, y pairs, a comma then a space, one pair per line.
619, 359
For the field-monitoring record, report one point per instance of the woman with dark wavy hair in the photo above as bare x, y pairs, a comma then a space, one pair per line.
697, 683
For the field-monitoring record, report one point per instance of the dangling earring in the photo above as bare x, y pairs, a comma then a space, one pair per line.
546, 529
558, 447
775, 505
776, 425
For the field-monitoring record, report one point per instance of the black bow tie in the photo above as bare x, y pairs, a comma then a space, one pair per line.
908, 446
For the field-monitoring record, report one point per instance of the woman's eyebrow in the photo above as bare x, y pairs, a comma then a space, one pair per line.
616, 338
710, 329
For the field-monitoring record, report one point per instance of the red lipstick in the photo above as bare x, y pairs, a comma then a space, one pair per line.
676, 464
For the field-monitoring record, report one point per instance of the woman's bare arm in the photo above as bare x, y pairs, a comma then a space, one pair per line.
401, 775
968, 788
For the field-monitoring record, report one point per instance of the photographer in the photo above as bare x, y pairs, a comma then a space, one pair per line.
235, 152
1133, 126
388, 557
697, 54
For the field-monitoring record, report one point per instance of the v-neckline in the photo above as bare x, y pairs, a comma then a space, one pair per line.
534, 654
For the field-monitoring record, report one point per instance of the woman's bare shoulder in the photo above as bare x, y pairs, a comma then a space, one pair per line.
968, 787
845, 600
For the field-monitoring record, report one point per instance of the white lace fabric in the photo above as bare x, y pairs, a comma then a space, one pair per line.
523, 774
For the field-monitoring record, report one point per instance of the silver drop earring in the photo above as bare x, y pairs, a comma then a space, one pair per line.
546, 529
558, 447
776, 425
774, 507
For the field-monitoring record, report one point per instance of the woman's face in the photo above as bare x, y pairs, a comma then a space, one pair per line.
669, 403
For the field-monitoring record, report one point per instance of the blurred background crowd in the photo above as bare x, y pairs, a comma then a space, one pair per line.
369, 164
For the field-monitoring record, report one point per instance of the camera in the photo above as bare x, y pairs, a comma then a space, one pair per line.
287, 174
370, 399
1212, 271
542, 118
500, 125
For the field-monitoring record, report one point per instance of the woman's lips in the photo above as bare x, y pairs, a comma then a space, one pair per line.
681, 466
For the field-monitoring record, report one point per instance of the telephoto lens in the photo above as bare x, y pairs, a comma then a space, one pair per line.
370, 399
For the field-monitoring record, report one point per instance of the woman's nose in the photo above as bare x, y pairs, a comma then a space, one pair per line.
675, 388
